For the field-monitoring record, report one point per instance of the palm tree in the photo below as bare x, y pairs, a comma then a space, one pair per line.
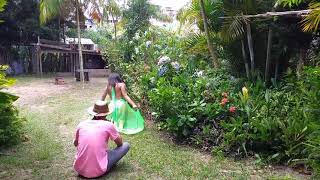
237, 24
197, 13
115, 12
52, 8
206, 30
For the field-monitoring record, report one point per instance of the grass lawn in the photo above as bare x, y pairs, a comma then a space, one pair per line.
53, 112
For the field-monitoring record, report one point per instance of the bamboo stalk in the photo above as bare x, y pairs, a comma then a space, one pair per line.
271, 14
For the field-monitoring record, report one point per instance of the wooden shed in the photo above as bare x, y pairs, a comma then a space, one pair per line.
46, 54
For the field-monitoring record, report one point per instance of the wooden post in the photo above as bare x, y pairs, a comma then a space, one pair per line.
79, 44
71, 62
38, 53
40, 63
302, 55
266, 73
276, 73
34, 59
250, 45
244, 56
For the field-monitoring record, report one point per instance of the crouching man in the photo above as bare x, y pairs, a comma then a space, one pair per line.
93, 158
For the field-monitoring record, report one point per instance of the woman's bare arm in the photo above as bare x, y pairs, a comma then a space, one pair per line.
105, 93
125, 95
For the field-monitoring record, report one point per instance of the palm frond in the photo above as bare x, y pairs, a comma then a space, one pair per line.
2, 4
288, 3
233, 28
159, 15
190, 14
311, 22
196, 44
113, 8
49, 9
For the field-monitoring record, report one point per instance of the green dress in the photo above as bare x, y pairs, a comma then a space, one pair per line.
126, 119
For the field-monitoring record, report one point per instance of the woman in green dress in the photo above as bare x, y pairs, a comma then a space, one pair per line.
127, 120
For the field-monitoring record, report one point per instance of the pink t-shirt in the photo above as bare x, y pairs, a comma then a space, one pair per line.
91, 159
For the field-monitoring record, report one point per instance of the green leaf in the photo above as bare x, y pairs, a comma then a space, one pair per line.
6, 98
2, 4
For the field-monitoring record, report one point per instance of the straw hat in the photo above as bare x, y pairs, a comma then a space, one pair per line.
100, 108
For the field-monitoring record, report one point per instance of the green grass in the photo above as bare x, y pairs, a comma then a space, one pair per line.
49, 153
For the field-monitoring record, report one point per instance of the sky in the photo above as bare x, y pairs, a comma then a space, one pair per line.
174, 4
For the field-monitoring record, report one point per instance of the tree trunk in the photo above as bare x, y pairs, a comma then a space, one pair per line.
244, 55
115, 28
79, 44
302, 55
250, 45
266, 73
63, 33
276, 73
206, 29
59, 29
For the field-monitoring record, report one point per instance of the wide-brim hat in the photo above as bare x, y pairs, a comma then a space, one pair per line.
100, 108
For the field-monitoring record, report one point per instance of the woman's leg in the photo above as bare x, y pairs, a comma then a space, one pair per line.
116, 154
122, 109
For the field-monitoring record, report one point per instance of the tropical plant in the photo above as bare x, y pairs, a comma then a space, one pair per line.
2, 4
200, 12
136, 22
50, 9
115, 12
310, 22
206, 29
280, 123
10, 123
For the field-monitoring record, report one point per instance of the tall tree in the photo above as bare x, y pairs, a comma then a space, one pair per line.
193, 15
237, 26
137, 20
50, 9
115, 12
210, 43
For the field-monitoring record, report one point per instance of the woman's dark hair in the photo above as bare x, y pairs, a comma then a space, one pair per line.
113, 79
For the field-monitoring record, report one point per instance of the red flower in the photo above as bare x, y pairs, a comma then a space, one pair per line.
224, 100
224, 94
232, 109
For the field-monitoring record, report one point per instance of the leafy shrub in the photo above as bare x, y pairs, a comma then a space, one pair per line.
279, 124
211, 110
10, 122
